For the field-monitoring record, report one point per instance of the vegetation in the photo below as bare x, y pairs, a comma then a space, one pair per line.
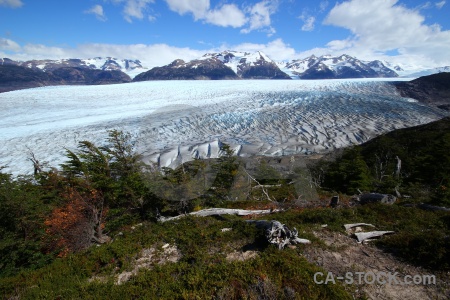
50, 222
424, 175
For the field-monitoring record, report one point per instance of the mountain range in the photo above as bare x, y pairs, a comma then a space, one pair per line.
128, 66
211, 66
334, 67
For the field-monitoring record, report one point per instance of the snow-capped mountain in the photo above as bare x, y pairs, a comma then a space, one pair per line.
248, 65
204, 69
128, 66
427, 72
223, 65
333, 67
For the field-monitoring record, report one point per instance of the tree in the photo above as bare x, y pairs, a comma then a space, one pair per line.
226, 169
93, 180
349, 173
22, 212
79, 222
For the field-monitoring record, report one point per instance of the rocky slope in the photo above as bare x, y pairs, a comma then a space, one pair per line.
433, 90
130, 67
250, 65
205, 69
223, 65
15, 77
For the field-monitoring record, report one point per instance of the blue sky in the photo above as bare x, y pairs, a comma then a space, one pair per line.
410, 32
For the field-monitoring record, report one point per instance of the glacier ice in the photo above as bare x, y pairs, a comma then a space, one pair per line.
175, 121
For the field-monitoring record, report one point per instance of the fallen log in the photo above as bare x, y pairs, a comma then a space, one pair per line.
433, 207
219, 211
279, 234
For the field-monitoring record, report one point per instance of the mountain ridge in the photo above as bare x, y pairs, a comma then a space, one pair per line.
15, 77
433, 90
216, 66
128, 66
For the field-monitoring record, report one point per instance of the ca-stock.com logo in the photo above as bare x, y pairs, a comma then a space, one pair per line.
379, 278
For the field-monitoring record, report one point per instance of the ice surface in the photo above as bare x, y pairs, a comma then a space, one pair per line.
175, 121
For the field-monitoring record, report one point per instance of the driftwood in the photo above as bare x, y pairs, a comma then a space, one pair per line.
220, 211
364, 236
279, 234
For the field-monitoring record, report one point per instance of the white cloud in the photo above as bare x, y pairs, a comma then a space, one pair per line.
150, 55
135, 9
439, 5
425, 5
11, 3
308, 21
97, 10
260, 16
8, 45
227, 15
198, 8
381, 26
323, 5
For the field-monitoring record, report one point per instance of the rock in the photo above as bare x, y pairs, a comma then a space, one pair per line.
377, 198
364, 236
334, 201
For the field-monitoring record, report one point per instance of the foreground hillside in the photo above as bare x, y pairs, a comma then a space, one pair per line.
90, 229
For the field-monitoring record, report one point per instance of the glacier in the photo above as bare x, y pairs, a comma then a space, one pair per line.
175, 121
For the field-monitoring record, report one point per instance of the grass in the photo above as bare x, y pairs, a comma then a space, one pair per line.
203, 271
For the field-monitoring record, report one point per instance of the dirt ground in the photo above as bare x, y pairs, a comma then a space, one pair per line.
343, 254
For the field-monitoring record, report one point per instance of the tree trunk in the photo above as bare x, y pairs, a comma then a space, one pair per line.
219, 211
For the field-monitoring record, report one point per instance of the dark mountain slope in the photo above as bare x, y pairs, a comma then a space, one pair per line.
13, 77
90, 76
196, 69
433, 89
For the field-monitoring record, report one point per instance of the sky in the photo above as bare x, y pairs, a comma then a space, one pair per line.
411, 33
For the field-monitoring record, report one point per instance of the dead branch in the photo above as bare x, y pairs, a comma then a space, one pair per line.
259, 185
266, 186
36, 164
363, 236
